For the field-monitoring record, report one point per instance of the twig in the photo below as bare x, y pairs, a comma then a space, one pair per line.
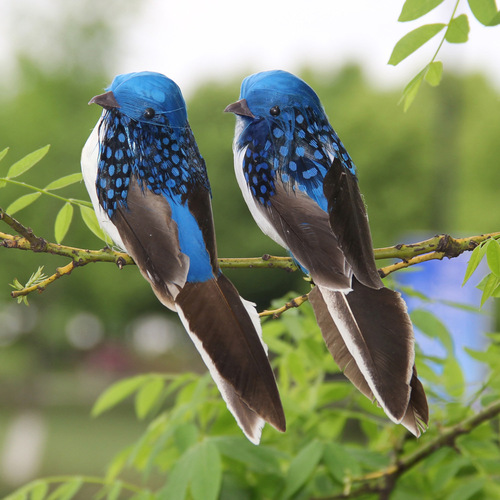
40, 287
385, 271
372, 481
276, 313
441, 243
438, 247
265, 262
79, 255
36, 244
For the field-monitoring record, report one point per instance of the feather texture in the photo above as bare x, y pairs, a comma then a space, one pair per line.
300, 184
349, 222
221, 327
149, 188
371, 339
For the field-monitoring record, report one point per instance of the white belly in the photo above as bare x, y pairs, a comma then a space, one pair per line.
89, 162
256, 211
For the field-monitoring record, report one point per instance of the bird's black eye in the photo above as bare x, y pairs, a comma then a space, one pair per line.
149, 113
275, 111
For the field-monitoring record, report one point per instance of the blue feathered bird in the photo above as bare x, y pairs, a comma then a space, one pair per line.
149, 187
300, 185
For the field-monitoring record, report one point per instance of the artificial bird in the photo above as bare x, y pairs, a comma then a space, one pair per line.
301, 187
149, 188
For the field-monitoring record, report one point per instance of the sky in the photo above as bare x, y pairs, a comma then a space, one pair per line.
194, 40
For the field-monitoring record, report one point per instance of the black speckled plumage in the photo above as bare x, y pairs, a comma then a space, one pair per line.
164, 159
149, 187
301, 186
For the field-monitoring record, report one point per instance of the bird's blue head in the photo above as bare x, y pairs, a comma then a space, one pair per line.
146, 97
282, 131
270, 93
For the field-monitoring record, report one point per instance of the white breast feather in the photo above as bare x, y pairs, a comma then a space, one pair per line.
255, 209
89, 162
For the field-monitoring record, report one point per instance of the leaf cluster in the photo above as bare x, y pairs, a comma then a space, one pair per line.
338, 444
65, 214
456, 30
490, 284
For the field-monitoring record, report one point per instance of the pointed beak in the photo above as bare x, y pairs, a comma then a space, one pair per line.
106, 100
240, 108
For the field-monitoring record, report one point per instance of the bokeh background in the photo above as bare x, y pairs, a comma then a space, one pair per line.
431, 170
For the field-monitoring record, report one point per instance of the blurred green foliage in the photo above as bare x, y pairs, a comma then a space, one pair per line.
432, 169
337, 442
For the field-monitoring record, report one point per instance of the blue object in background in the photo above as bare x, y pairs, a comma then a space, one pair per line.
442, 281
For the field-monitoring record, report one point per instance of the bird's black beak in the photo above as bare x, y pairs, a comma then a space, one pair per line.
106, 100
240, 108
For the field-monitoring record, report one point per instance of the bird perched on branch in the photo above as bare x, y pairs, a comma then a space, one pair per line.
300, 185
149, 188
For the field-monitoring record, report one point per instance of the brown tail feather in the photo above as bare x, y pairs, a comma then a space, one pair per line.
369, 334
221, 325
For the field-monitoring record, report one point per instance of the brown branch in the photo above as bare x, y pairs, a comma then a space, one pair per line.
276, 313
385, 271
437, 247
36, 244
265, 262
42, 285
376, 482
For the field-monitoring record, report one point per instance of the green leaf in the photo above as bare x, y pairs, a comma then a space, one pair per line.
63, 220
67, 180
67, 490
302, 466
485, 11
17, 495
489, 286
431, 326
453, 378
117, 465
178, 478
413, 41
261, 459
493, 257
24, 164
206, 472
295, 364
114, 491
22, 202
116, 393
467, 488
413, 9
3, 153
147, 396
458, 30
186, 435
39, 490
447, 472
476, 257
340, 463
145, 495
434, 73
411, 90
90, 219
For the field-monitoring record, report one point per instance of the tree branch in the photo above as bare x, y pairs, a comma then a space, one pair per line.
438, 247
265, 262
376, 482
276, 313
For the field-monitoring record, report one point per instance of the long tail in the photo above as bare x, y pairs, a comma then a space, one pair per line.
226, 331
370, 336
